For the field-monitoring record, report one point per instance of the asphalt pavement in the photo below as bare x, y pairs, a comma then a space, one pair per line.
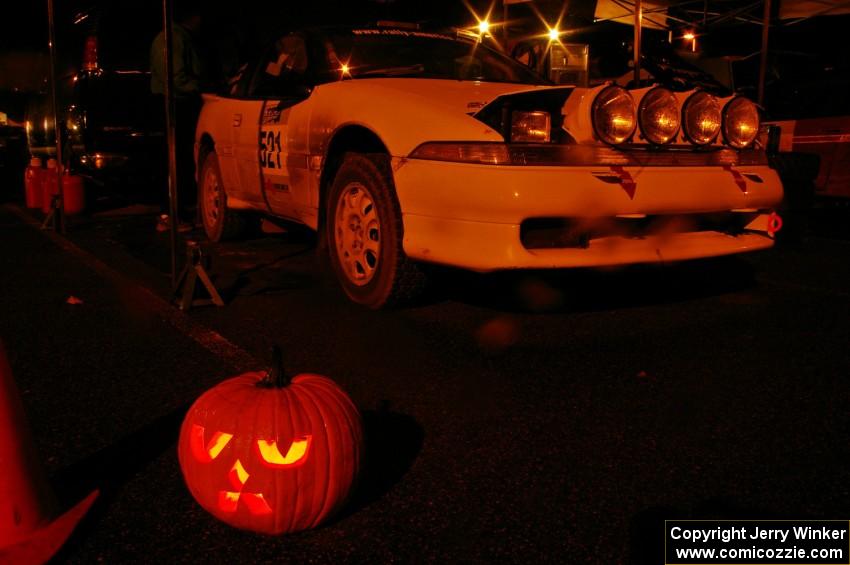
516, 417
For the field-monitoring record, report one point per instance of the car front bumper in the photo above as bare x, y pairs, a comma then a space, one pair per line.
472, 216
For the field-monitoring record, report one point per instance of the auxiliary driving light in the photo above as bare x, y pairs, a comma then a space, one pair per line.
658, 116
613, 115
740, 122
701, 118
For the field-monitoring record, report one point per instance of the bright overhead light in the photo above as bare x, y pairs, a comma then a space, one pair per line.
691, 36
483, 27
554, 34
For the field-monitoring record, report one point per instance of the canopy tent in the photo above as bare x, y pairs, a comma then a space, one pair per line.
663, 14
622, 11
804, 9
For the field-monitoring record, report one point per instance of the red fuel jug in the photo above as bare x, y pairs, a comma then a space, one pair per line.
50, 185
32, 183
73, 193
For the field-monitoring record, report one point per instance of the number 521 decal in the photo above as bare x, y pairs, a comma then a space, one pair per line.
270, 148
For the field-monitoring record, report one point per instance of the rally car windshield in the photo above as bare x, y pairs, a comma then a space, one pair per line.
371, 53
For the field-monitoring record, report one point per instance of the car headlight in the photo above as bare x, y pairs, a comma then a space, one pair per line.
531, 127
658, 115
613, 115
740, 122
701, 118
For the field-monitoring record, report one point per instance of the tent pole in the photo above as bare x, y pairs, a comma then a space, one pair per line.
765, 32
170, 116
637, 46
60, 217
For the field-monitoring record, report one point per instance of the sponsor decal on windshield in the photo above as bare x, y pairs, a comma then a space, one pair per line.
402, 33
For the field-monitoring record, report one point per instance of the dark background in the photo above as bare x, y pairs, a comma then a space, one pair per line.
810, 51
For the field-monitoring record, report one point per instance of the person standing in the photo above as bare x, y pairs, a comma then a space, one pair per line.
187, 71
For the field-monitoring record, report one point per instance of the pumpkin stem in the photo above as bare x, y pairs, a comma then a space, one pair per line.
276, 377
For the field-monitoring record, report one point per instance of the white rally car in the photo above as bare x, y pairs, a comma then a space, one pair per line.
403, 146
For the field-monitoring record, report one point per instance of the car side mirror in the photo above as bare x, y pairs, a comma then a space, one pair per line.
302, 90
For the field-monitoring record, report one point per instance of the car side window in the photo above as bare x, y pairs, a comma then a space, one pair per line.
282, 72
237, 85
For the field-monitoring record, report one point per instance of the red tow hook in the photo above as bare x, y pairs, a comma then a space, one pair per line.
774, 224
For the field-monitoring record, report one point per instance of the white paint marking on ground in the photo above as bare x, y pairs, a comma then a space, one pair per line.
207, 338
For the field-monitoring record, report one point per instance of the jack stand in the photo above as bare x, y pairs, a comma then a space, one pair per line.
184, 291
51, 221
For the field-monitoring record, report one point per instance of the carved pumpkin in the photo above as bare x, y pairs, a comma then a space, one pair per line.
271, 454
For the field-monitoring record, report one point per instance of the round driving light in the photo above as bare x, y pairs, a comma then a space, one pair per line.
740, 122
613, 115
658, 115
701, 118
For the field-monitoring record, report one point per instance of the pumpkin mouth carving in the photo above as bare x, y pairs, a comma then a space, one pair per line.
228, 501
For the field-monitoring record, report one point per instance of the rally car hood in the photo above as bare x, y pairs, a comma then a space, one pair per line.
465, 96
406, 112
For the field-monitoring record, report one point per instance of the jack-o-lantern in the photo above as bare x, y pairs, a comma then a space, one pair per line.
271, 454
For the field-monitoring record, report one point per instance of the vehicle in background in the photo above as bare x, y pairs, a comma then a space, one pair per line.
13, 159
807, 94
814, 116
110, 124
113, 128
14, 153
402, 146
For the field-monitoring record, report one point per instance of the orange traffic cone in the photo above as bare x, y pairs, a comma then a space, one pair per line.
28, 531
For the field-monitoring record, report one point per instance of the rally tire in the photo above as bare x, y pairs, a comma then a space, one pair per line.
220, 222
393, 279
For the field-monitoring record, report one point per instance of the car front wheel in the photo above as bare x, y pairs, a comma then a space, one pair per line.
364, 234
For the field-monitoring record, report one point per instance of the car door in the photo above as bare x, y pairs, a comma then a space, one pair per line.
245, 121
261, 143
223, 114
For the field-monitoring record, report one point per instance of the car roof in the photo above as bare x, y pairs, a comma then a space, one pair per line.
413, 29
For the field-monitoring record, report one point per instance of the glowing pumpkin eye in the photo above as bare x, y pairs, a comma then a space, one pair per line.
272, 457
206, 453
